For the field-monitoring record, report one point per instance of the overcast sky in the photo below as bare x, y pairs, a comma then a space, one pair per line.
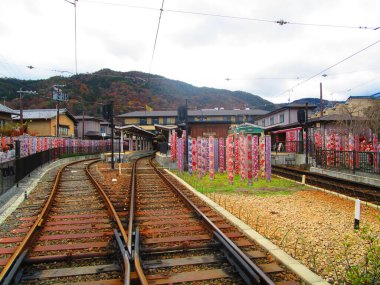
246, 50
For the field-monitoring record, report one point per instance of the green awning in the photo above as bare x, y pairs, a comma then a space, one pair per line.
246, 129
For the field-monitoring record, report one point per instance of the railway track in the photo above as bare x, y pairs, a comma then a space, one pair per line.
184, 241
365, 192
73, 239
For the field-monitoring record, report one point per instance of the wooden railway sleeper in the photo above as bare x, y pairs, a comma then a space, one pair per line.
12, 273
246, 272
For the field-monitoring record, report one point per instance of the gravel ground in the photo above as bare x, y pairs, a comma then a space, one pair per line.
312, 226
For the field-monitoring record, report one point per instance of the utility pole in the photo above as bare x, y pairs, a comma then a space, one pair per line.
307, 136
22, 93
75, 32
320, 100
58, 96
4, 100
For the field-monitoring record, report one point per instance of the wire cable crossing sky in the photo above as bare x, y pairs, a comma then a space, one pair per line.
258, 47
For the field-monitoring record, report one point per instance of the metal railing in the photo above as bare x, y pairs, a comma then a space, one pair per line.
12, 171
363, 161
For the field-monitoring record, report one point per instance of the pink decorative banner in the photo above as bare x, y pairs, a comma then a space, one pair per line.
242, 156
255, 156
262, 155
199, 157
190, 156
237, 155
211, 168
376, 153
221, 155
268, 166
249, 158
230, 158
194, 154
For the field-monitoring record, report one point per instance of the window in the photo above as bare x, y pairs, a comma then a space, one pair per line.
155, 121
143, 121
166, 121
263, 123
63, 130
271, 120
282, 117
227, 118
103, 130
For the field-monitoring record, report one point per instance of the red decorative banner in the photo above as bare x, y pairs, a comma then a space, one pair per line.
211, 168
221, 155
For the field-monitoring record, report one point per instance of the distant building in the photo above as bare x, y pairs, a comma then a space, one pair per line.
205, 122
43, 122
6, 115
88, 127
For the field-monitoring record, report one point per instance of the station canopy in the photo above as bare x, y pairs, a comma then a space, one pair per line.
246, 128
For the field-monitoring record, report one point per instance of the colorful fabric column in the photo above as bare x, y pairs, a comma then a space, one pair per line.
190, 156
194, 154
237, 154
262, 155
230, 158
376, 149
255, 157
249, 158
199, 157
211, 168
268, 166
216, 154
242, 156
221, 155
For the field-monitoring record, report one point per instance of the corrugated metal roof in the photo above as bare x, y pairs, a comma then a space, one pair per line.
5, 109
40, 113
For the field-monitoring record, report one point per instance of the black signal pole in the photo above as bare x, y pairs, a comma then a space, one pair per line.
112, 136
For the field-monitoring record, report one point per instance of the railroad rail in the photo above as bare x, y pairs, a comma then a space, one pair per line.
365, 192
179, 239
76, 237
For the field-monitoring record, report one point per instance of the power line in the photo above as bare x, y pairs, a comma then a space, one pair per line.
324, 70
280, 22
155, 39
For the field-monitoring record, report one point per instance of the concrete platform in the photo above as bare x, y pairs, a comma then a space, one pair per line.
366, 178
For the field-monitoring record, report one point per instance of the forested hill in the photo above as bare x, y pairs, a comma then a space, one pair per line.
130, 91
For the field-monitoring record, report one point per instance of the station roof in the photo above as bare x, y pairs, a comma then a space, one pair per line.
136, 130
246, 128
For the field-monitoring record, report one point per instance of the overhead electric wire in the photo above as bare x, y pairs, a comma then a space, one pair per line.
279, 22
328, 68
155, 39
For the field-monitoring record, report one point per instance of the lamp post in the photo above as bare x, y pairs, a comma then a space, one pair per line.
58, 96
22, 93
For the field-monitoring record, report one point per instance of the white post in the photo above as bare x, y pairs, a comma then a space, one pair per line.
303, 179
357, 214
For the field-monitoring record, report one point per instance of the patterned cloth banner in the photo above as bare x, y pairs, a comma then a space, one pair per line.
173, 145
242, 156
190, 156
207, 155
262, 155
237, 154
249, 158
230, 158
376, 151
194, 154
216, 154
211, 152
221, 155
199, 157
268, 166
255, 156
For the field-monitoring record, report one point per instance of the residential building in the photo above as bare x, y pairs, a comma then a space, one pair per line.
43, 122
88, 127
6, 115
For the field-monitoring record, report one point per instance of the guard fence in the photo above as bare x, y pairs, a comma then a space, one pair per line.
12, 171
363, 161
